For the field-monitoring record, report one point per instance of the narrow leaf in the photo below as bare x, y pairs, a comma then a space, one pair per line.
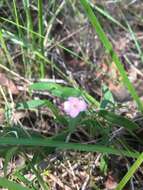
56, 89
130, 173
11, 185
63, 145
118, 120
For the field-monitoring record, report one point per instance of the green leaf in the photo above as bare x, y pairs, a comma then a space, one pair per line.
45, 86
12, 185
56, 89
118, 120
103, 165
107, 97
30, 104
68, 91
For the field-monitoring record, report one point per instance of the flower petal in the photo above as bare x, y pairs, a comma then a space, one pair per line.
73, 100
67, 106
74, 113
82, 105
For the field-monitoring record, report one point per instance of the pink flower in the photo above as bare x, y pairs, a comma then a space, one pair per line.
74, 105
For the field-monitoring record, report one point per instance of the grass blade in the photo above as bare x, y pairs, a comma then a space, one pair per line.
20, 34
108, 46
29, 23
130, 173
17, 19
108, 16
30, 36
41, 32
63, 145
40, 24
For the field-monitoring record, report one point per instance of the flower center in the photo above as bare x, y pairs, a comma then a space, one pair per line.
75, 105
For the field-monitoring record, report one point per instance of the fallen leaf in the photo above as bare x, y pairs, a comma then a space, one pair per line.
5, 81
110, 183
2, 116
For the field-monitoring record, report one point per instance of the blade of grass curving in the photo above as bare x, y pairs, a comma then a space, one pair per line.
63, 145
12, 185
130, 173
108, 46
